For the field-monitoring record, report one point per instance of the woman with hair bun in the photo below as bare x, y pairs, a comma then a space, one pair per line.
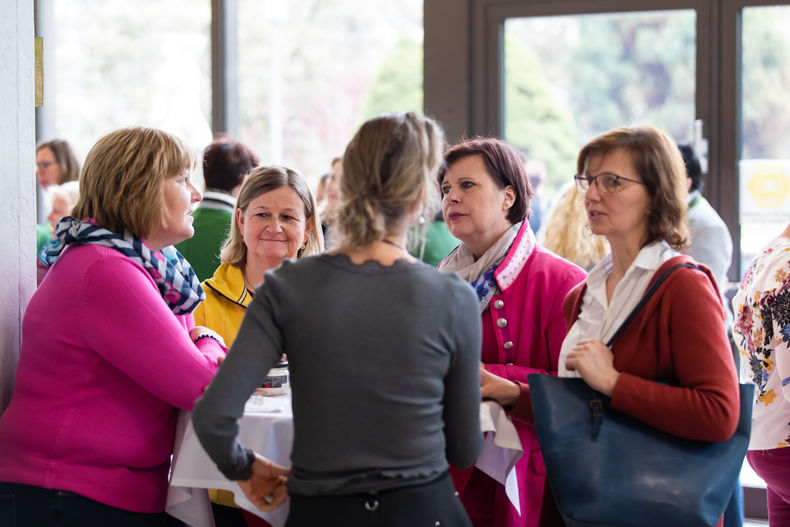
384, 363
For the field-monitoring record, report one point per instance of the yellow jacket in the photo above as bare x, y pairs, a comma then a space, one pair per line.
223, 309
226, 302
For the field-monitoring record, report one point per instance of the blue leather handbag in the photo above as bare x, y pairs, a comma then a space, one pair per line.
608, 468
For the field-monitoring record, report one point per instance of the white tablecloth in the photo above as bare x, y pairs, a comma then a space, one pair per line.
270, 433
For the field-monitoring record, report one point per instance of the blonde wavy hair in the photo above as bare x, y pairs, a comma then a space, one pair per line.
565, 230
390, 160
259, 181
123, 177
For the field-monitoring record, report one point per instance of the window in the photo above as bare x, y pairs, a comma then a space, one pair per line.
570, 78
764, 164
117, 64
311, 72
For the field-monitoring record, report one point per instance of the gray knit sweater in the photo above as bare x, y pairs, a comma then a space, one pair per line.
384, 373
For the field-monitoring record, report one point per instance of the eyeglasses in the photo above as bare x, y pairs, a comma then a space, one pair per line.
45, 164
606, 183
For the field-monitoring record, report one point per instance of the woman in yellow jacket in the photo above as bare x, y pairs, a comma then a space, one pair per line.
275, 218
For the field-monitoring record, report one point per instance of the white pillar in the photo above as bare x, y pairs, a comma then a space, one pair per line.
17, 180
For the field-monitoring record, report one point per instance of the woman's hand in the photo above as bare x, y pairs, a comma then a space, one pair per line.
266, 487
595, 363
501, 390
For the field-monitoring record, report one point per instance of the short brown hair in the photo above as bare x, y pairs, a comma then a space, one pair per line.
658, 162
64, 156
258, 182
503, 163
121, 184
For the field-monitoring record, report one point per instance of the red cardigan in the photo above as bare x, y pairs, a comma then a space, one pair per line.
678, 338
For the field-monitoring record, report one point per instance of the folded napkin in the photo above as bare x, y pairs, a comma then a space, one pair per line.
501, 449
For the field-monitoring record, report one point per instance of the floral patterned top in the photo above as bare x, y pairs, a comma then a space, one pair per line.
762, 333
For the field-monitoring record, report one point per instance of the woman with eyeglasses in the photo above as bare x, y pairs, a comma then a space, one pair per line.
671, 367
520, 288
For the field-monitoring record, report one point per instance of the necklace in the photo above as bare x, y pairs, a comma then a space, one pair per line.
390, 242
247, 286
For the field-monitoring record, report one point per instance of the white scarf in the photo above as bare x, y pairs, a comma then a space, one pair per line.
480, 273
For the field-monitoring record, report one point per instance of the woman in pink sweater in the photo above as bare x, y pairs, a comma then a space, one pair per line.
110, 352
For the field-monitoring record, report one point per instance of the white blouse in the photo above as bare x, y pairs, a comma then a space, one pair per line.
600, 319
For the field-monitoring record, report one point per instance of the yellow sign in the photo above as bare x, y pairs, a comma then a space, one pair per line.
769, 186
39, 74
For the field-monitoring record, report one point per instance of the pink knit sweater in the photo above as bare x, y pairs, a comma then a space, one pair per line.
104, 367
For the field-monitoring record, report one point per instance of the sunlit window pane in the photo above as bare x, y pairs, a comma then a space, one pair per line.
311, 72
118, 64
570, 78
765, 127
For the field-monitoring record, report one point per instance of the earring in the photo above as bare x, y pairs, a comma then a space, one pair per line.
303, 247
421, 219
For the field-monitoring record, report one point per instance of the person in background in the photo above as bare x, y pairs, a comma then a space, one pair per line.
762, 334
670, 367
383, 355
520, 288
536, 174
55, 164
437, 242
88, 434
275, 218
320, 193
566, 230
63, 198
331, 199
710, 243
225, 163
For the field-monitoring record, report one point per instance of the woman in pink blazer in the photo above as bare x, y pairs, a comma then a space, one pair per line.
521, 287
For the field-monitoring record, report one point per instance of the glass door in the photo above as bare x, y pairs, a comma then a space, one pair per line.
569, 78
764, 124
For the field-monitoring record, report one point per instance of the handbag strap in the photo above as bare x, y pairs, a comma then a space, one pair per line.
596, 404
648, 294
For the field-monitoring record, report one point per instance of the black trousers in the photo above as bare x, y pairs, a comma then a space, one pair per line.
30, 506
432, 504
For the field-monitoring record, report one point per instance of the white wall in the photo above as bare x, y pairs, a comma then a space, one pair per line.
17, 181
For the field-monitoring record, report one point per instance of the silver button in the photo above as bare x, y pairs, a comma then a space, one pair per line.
501, 322
371, 505
507, 345
508, 364
437, 523
456, 493
498, 304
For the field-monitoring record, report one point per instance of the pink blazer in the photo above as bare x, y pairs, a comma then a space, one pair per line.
523, 330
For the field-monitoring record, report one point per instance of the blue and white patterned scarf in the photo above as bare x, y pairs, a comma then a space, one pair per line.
177, 282
480, 273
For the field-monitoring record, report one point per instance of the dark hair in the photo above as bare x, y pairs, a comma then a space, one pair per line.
503, 163
64, 156
225, 163
656, 158
693, 168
